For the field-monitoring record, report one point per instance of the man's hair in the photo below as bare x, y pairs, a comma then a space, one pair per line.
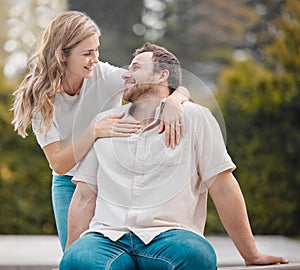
163, 59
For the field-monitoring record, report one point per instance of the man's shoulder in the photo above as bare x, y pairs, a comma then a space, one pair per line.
116, 110
194, 109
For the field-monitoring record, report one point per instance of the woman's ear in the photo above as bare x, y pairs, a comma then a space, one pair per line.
63, 57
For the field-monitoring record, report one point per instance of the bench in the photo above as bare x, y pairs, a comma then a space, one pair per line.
289, 266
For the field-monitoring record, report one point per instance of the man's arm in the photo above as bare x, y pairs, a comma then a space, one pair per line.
229, 201
81, 210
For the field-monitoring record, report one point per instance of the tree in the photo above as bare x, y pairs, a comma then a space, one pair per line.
115, 19
24, 179
261, 106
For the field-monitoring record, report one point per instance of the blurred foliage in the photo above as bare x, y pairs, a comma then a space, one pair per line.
24, 179
208, 28
206, 34
115, 20
261, 106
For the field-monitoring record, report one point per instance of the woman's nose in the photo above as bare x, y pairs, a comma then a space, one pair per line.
95, 56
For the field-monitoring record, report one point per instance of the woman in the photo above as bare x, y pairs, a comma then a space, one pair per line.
62, 76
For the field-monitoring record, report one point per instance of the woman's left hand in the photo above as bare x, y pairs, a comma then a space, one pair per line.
172, 122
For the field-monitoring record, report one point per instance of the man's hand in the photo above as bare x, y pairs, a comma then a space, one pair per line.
265, 259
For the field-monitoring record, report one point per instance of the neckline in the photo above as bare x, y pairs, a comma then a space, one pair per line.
73, 97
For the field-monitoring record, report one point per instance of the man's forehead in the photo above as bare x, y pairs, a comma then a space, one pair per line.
145, 57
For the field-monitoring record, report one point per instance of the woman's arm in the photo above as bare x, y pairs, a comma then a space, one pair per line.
63, 159
172, 118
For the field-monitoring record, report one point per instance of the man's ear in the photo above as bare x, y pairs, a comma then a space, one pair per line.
164, 75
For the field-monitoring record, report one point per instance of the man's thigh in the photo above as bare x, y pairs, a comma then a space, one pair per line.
94, 251
177, 249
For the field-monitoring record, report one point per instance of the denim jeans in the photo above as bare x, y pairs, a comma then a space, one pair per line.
174, 249
62, 192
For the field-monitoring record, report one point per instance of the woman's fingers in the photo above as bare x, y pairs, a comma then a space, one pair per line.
115, 126
120, 115
125, 128
172, 122
177, 132
173, 133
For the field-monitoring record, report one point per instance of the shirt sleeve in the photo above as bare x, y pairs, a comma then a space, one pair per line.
211, 152
107, 69
87, 169
112, 80
51, 136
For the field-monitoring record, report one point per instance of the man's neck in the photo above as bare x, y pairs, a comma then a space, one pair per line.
144, 110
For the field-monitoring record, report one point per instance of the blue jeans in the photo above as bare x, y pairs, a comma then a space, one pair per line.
62, 192
174, 249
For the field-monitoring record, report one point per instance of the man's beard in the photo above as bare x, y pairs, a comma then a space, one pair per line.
139, 91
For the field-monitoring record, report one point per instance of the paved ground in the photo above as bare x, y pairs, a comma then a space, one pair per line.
26, 252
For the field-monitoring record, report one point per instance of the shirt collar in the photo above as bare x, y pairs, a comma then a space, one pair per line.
157, 114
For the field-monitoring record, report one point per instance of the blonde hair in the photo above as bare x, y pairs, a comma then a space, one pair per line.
46, 70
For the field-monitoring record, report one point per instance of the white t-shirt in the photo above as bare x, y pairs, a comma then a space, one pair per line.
72, 115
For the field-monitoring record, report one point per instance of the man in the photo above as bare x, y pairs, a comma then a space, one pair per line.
145, 203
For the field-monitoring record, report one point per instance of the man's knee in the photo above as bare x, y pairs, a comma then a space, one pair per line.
198, 254
190, 251
73, 260
67, 263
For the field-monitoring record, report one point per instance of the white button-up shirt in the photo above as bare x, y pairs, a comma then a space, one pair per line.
148, 188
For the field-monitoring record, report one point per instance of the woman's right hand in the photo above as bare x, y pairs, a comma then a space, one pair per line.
115, 126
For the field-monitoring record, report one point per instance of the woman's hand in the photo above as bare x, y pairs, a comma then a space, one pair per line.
115, 126
172, 117
172, 122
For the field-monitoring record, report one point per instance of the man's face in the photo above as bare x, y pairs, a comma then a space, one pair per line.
140, 79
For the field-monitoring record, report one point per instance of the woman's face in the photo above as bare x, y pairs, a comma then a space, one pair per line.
82, 58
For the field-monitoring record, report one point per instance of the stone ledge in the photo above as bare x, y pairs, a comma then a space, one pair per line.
27, 267
289, 266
